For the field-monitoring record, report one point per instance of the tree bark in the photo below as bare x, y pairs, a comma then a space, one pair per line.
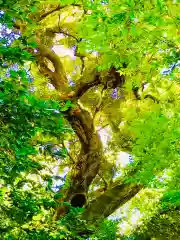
90, 155
89, 159
110, 200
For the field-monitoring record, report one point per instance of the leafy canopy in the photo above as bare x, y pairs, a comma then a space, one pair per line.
141, 40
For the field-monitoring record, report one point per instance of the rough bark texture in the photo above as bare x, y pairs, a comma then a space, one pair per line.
91, 151
111, 200
89, 159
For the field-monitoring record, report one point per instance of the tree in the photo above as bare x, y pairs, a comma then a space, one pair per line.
112, 82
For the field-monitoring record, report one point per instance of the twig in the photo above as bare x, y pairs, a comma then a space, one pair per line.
59, 21
80, 56
152, 97
103, 127
69, 35
69, 155
99, 104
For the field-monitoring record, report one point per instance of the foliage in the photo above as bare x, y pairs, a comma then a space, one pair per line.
140, 115
25, 202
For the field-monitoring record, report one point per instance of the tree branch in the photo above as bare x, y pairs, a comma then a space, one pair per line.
57, 8
107, 124
99, 104
58, 77
111, 200
84, 87
78, 40
113, 80
152, 97
57, 29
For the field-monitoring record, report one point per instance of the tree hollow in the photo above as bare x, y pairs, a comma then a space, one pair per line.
78, 200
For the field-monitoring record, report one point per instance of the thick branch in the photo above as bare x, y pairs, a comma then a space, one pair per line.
84, 87
111, 81
58, 77
111, 200
58, 29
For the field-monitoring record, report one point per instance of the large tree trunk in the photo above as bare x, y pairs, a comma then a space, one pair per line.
88, 162
90, 155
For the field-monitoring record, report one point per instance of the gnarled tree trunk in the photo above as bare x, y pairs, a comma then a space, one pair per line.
91, 154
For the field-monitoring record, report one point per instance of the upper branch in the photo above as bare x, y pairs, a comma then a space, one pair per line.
58, 29
111, 81
58, 77
84, 87
55, 9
